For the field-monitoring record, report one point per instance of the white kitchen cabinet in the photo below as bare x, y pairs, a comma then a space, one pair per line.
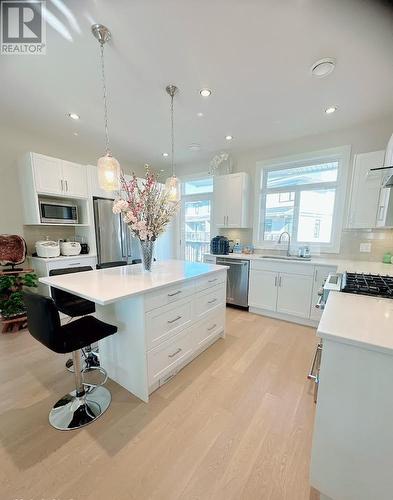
320, 275
94, 187
231, 201
47, 174
294, 294
281, 289
58, 177
74, 179
262, 291
365, 190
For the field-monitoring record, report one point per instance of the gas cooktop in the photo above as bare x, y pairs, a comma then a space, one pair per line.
368, 284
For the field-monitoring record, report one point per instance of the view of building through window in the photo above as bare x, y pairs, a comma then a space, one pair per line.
299, 200
196, 218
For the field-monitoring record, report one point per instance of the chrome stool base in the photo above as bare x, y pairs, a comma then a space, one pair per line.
73, 412
90, 360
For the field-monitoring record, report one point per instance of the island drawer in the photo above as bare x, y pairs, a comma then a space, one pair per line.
164, 322
209, 327
211, 280
168, 355
209, 299
169, 294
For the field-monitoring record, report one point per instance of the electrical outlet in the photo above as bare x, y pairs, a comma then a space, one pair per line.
365, 247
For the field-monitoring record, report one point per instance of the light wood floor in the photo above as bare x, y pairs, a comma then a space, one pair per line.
234, 424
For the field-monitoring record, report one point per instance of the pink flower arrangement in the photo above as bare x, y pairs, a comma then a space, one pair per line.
145, 206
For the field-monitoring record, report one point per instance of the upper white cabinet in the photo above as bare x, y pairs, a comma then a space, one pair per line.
231, 200
94, 187
58, 177
74, 179
43, 178
47, 173
365, 191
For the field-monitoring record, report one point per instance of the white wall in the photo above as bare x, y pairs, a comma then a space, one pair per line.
371, 136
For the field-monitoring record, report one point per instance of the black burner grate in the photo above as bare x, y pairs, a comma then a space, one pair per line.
368, 284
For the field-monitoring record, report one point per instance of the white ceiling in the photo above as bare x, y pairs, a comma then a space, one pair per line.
254, 54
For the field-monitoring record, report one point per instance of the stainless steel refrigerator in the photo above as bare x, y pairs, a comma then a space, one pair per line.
114, 239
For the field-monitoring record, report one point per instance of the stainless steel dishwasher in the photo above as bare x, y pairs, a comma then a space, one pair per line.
237, 280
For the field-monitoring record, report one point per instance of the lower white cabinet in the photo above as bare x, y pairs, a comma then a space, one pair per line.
320, 275
180, 322
287, 289
263, 289
294, 294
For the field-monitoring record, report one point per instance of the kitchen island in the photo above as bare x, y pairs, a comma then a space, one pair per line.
352, 455
165, 317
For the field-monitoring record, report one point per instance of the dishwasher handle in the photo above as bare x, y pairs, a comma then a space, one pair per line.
232, 262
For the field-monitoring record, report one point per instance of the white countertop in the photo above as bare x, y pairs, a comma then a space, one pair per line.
64, 257
353, 266
109, 285
358, 320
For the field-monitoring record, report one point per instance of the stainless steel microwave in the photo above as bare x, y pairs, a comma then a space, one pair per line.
58, 213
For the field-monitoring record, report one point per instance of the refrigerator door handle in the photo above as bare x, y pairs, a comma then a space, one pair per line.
123, 241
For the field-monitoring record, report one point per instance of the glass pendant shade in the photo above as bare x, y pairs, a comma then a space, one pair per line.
108, 173
172, 186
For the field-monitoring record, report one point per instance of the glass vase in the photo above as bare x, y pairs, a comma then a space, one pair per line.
147, 250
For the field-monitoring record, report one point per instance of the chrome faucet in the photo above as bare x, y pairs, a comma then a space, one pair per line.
289, 241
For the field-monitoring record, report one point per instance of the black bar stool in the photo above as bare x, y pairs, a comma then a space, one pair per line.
106, 265
82, 406
73, 306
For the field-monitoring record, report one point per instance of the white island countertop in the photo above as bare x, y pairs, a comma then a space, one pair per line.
359, 320
105, 286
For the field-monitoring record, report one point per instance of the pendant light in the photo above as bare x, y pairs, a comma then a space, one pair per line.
108, 166
172, 184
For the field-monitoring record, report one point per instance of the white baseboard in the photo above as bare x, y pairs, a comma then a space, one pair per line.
284, 317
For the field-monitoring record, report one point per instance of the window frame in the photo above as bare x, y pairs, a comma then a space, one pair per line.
192, 197
342, 156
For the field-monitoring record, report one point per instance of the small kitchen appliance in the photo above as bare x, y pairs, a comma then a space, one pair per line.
53, 212
69, 248
219, 245
47, 249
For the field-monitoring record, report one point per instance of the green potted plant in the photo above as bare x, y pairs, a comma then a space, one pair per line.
11, 299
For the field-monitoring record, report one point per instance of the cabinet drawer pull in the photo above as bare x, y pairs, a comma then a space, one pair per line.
174, 353
212, 327
212, 281
173, 320
174, 293
212, 301
74, 264
275, 281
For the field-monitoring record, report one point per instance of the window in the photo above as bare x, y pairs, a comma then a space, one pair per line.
303, 196
196, 218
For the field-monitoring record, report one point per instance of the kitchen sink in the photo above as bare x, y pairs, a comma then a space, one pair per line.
285, 257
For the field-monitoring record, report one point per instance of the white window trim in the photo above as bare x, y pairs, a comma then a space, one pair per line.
342, 155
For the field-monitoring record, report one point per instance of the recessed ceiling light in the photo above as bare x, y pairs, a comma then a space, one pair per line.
162, 170
194, 147
323, 67
205, 92
165, 155
73, 116
330, 110
200, 114
76, 133
228, 137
